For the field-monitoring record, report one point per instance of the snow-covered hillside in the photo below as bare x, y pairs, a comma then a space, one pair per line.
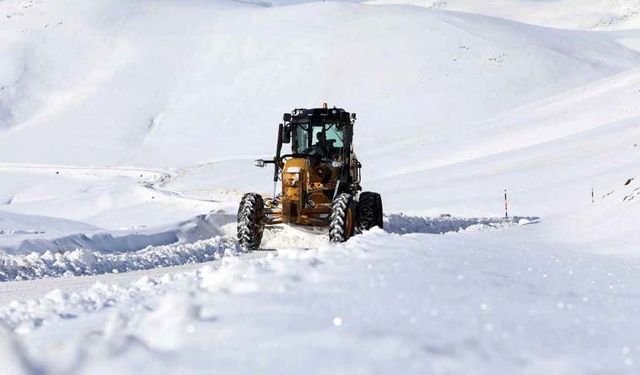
566, 14
127, 135
145, 78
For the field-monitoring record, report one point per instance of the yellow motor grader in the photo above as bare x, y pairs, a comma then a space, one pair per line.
320, 180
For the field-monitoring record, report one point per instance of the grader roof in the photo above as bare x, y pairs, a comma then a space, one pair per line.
320, 114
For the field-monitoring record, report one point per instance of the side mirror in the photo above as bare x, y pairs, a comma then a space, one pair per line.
286, 117
286, 134
259, 163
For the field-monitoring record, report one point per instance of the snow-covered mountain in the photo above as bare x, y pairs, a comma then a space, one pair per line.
205, 83
565, 14
127, 134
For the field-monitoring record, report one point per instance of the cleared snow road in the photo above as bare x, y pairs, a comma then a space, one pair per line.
474, 302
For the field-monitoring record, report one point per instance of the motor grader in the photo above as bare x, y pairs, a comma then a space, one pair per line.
320, 180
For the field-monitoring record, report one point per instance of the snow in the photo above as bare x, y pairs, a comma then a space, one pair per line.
83, 260
484, 309
566, 14
128, 132
86, 262
198, 228
403, 224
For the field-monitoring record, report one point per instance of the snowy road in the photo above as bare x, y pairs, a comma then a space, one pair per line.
480, 302
423, 297
494, 297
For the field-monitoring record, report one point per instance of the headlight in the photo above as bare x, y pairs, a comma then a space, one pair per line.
337, 164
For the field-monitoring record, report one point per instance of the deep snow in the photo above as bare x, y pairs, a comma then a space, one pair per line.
482, 302
128, 131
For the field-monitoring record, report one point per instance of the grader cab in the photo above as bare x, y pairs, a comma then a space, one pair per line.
320, 180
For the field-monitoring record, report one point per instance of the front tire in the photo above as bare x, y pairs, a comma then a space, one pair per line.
343, 218
370, 213
250, 221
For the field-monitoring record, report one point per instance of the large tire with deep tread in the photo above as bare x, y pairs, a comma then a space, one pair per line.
369, 212
343, 218
250, 221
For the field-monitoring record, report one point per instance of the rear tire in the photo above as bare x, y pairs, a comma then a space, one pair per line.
369, 212
343, 218
250, 221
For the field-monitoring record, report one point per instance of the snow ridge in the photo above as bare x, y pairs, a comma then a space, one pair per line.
404, 224
82, 261
85, 262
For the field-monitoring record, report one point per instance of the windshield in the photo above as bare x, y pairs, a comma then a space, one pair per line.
325, 139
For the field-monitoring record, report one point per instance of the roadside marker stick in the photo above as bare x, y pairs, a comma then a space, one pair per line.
506, 205
593, 199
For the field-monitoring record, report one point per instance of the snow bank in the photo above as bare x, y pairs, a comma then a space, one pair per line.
198, 228
15, 223
162, 327
403, 224
86, 262
46, 234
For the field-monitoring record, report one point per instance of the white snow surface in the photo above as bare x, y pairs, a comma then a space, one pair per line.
567, 14
127, 134
490, 303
